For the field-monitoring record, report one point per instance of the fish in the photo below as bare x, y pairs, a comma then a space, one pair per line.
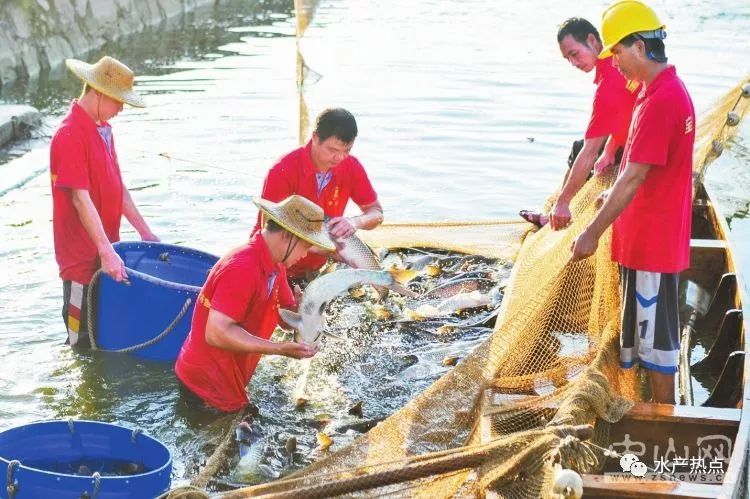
324, 441
252, 450
358, 255
450, 360
379, 312
356, 409
451, 305
308, 321
290, 446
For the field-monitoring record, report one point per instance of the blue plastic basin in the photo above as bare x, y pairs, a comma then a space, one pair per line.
45, 447
162, 277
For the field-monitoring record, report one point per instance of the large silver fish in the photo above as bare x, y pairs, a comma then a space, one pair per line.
358, 255
252, 449
308, 320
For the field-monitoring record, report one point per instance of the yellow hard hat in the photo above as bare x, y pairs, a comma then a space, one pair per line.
625, 18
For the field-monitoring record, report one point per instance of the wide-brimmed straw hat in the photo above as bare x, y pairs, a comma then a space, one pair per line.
300, 216
110, 77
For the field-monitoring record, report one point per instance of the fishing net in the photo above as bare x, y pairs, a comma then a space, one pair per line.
538, 395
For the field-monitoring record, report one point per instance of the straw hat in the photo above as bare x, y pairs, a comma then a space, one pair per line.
110, 77
300, 216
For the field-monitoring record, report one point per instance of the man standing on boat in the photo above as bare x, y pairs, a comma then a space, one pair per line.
238, 307
88, 195
607, 130
649, 205
325, 172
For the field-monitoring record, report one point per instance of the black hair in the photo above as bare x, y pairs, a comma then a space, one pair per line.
655, 49
579, 29
336, 122
272, 226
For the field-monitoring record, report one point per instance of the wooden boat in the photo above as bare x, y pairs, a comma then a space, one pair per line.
720, 426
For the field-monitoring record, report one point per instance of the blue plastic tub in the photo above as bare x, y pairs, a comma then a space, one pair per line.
162, 278
68, 459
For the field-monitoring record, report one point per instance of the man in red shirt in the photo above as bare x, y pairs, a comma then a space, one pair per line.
650, 203
327, 174
238, 307
88, 194
608, 126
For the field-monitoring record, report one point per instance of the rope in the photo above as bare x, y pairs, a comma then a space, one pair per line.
90, 319
90, 308
218, 458
408, 469
12, 487
97, 483
161, 335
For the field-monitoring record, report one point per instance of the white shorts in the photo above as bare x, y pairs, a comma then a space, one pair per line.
650, 320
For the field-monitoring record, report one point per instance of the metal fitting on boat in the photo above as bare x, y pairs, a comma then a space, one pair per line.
717, 147
746, 90
733, 118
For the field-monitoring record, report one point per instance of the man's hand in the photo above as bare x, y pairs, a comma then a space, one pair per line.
298, 350
601, 198
112, 265
342, 227
603, 162
297, 294
583, 246
559, 217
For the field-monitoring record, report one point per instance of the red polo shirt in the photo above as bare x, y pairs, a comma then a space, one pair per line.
79, 159
295, 174
241, 285
613, 103
653, 232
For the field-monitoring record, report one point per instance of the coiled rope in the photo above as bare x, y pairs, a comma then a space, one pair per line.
90, 319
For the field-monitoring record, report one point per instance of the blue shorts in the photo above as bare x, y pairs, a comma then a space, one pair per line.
650, 320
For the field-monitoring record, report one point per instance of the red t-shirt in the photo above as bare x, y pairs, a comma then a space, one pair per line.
79, 159
295, 174
241, 285
653, 232
613, 103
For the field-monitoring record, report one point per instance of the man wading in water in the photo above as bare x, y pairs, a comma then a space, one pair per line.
88, 195
238, 307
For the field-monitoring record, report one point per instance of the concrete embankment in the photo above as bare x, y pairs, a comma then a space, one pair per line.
37, 35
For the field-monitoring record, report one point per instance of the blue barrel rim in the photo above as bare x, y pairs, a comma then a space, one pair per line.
184, 250
154, 472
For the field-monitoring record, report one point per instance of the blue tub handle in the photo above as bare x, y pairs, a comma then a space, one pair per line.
97, 482
135, 434
12, 487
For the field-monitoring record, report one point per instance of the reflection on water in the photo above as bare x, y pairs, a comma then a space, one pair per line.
465, 109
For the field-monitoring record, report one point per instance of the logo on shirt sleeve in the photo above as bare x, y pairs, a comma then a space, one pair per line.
688, 125
631, 85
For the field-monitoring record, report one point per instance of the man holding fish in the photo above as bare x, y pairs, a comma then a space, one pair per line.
237, 309
325, 172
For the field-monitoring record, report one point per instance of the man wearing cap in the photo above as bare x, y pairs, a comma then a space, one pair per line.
649, 206
238, 307
607, 129
88, 195
327, 174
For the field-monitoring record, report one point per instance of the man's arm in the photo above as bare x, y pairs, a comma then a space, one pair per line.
371, 217
224, 332
619, 197
112, 264
130, 210
560, 215
607, 157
